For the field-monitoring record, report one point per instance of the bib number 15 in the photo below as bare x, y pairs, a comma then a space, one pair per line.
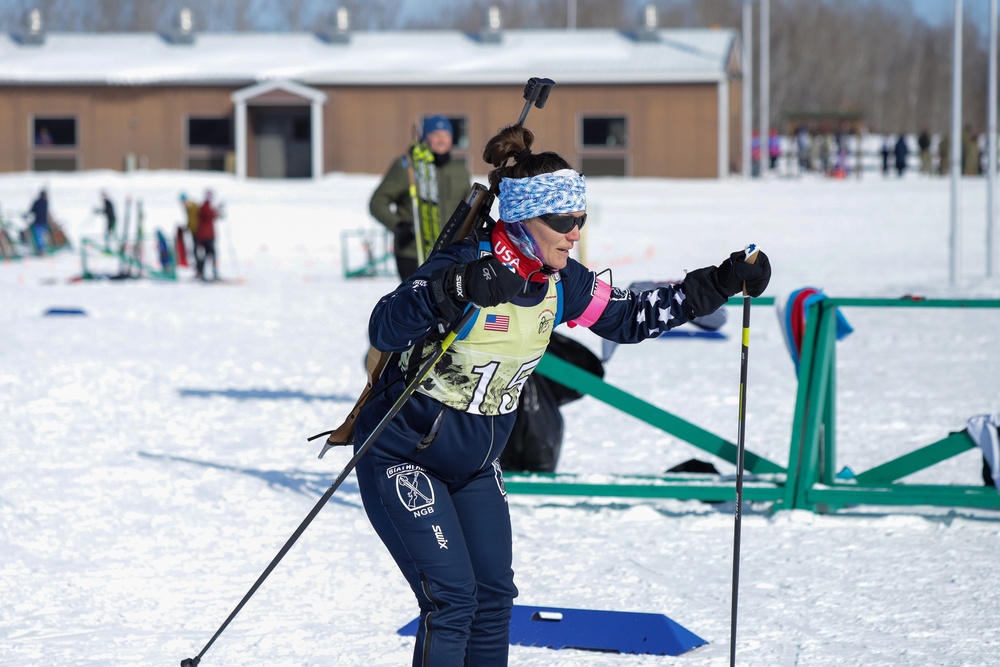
489, 385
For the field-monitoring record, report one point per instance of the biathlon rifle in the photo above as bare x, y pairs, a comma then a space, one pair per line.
471, 215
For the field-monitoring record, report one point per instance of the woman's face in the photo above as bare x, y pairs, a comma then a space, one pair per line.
555, 246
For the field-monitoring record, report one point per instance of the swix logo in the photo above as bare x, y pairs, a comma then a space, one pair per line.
439, 535
458, 286
506, 254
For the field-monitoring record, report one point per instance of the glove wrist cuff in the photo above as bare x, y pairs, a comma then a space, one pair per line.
443, 293
703, 293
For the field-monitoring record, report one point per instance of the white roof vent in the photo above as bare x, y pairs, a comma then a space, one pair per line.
649, 30
494, 23
182, 32
338, 30
32, 30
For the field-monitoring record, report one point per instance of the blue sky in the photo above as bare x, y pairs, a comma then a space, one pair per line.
941, 11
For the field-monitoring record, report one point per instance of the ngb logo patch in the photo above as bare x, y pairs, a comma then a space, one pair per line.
413, 487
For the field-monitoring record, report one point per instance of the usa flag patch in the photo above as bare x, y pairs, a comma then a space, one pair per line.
496, 323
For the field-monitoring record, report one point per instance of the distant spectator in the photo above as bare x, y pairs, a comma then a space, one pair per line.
901, 151
755, 154
924, 144
773, 148
970, 152
43, 138
944, 155
814, 150
204, 237
802, 141
982, 144
108, 209
39, 227
886, 151
825, 147
191, 221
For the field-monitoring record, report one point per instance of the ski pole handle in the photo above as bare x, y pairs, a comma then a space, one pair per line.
749, 256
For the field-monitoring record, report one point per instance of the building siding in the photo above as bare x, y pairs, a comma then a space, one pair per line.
672, 128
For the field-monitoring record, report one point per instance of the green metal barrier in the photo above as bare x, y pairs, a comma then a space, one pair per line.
708, 488
126, 259
766, 486
813, 448
808, 481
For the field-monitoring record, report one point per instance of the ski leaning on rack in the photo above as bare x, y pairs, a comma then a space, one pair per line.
535, 94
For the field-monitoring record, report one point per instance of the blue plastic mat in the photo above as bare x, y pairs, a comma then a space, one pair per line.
591, 630
64, 311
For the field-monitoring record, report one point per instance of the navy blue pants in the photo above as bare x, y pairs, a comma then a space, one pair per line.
452, 541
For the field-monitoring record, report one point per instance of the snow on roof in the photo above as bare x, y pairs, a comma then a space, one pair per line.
369, 58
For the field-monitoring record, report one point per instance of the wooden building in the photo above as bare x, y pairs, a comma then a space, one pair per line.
653, 103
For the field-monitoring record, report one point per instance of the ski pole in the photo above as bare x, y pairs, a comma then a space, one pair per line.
750, 253
369, 441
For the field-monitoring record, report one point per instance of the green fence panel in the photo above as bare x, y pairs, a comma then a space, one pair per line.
707, 488
566, 373
943, 449
812, 452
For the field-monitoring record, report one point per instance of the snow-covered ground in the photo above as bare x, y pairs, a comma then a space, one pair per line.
154, 454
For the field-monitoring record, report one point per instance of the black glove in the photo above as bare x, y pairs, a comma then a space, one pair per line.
485, 282
734, 272
402, 235
706, 290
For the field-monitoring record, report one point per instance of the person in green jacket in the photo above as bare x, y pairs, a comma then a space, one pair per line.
425, 179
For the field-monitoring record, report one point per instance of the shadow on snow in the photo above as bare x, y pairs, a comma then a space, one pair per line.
297, 481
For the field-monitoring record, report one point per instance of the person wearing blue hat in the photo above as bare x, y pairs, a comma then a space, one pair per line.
423, 184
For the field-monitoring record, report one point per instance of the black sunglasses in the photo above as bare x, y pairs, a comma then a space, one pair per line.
563, 223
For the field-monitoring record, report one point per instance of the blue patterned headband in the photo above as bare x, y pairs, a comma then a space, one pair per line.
563, 191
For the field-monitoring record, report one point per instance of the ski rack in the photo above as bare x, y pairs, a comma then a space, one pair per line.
809, 481
126, 259
378, 253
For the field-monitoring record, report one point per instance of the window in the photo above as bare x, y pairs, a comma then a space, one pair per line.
54, 144
53, 131
460, 135
607, 132
604, 145
209, 133
209, 140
